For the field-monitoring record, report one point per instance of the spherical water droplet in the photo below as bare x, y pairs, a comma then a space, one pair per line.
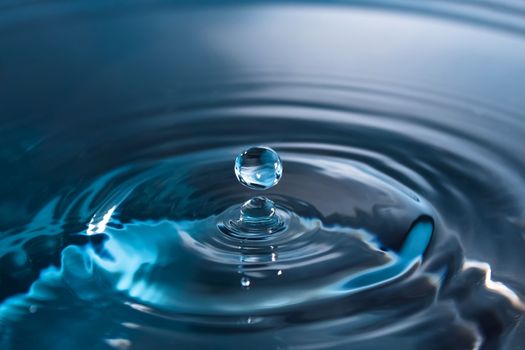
245, 282
258, 168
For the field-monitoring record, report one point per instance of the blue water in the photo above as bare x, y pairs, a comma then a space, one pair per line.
393, 128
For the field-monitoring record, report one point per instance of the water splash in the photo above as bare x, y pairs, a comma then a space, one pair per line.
257, 168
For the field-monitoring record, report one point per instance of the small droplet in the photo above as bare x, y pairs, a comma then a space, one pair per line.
258, 168
245, 282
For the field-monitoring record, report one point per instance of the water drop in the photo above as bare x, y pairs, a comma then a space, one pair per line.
245, 282
258, 168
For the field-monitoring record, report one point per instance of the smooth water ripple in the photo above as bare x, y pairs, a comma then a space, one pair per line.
398, 222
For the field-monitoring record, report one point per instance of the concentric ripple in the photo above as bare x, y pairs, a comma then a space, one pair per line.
379, 207
400, 216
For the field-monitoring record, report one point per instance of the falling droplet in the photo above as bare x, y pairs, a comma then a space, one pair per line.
245, 282
258, 168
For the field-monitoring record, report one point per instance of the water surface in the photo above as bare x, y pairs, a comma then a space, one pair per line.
400, 128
